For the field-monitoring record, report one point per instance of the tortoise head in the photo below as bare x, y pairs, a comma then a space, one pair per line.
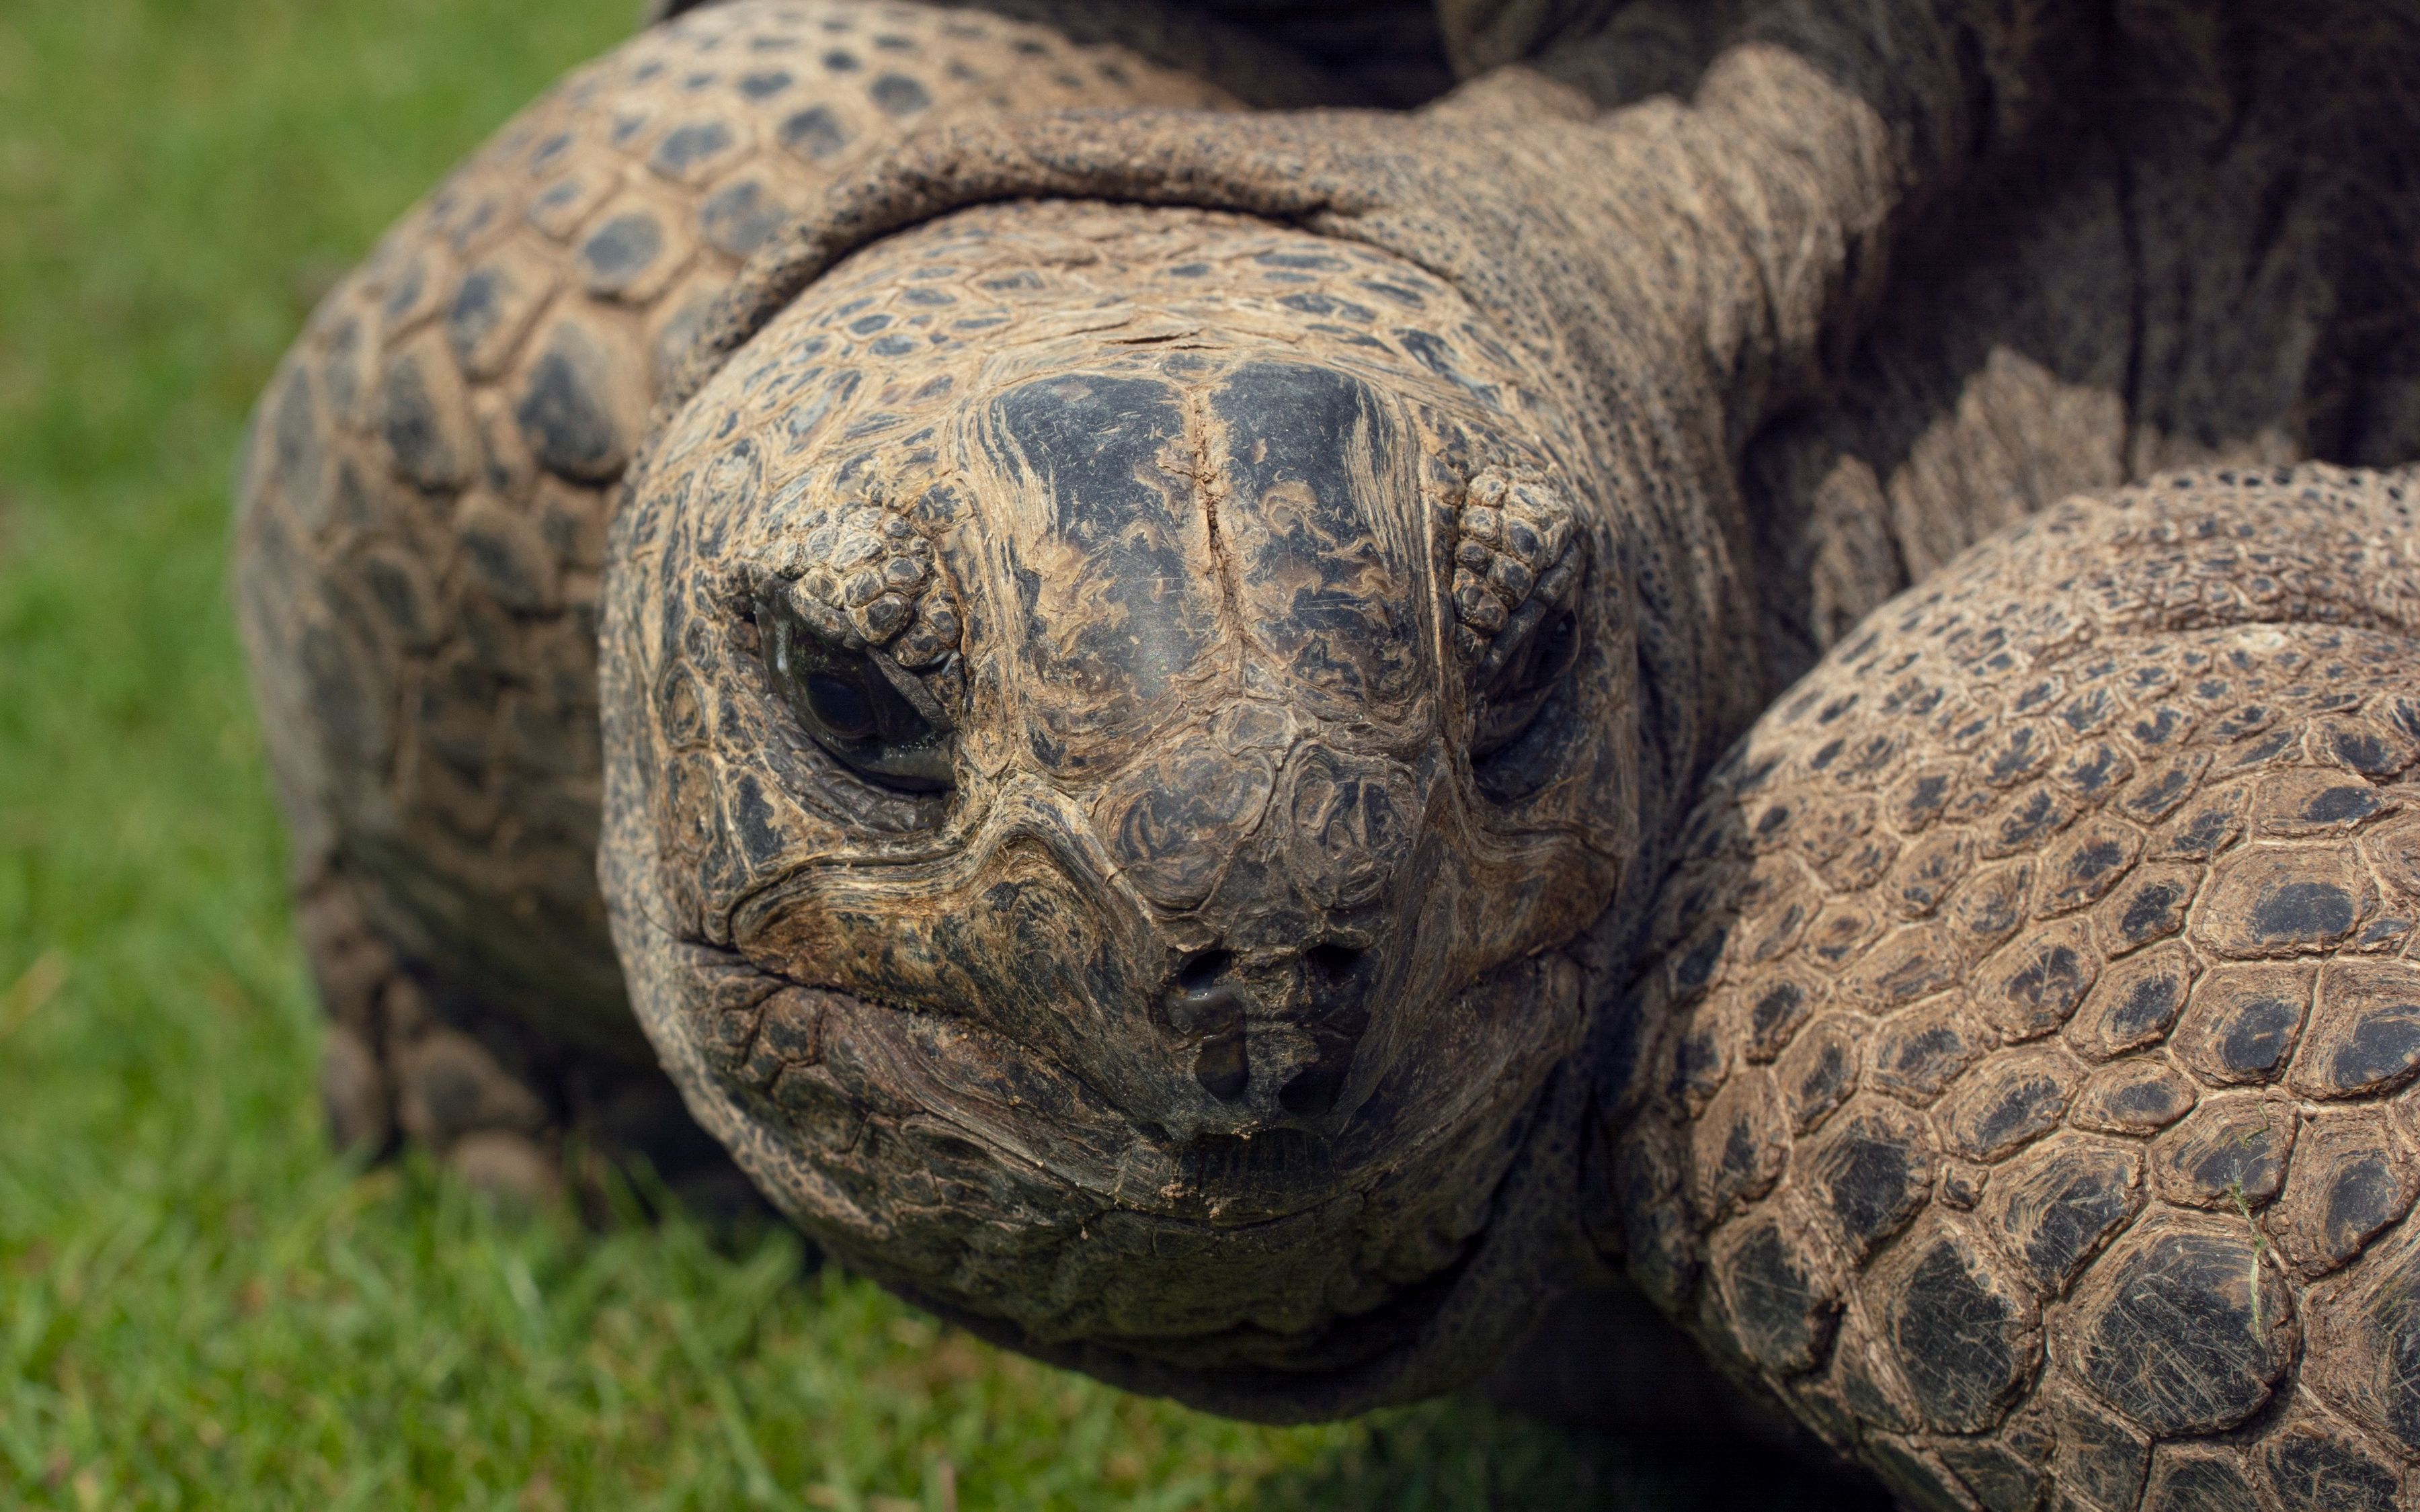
1106, 709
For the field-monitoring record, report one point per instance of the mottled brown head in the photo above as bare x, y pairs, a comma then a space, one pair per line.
1104, 706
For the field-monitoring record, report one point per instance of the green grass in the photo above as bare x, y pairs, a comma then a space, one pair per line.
199, 1305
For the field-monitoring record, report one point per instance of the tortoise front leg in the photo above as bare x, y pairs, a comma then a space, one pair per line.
2025, 1090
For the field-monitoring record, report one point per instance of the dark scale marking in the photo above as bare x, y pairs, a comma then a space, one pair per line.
1924, 799
759, 829
2342, 806
548, 151
2297, 913
2364, 752
2054, 1207
1740, 1173
1434, 352
570, 427
2096, 771
2267, 748
2230, 1149
300, 458
2365, 1031
2208, 1482
2383, 1340
1128, 606
1821, 1073
1877, 1175
1326, 586
2037, 695
1322, 261
478, 305
2364, 1195
2160, 727
739, 218
2094, 861
1781, 1312
1921, 1056
1776, 1014
815, 133
685, 146
2153, 911
2088, 712
2044, 992
1963, 1340
2001, 1477
2000, 1108
622, 248
2147, 1008
2038, 814
2149, 1099
897, 94
2202, 835
409, 420
2251, 1033
2171, 1339
2315, 1469
2237, 723
1696, 967
766, 84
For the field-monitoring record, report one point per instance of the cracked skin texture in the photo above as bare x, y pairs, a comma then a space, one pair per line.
1766, 652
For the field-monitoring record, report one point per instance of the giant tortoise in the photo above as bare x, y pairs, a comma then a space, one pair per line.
1237, 692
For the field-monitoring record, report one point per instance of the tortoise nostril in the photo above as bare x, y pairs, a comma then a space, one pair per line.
1202, 970
1330, 961
1224, 1067
1202, 999
1338, 979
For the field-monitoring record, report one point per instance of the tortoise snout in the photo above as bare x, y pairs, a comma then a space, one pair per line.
1321, 991
1277, 957
1204, 1001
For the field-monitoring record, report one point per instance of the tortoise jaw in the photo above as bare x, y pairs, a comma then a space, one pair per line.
979, 1176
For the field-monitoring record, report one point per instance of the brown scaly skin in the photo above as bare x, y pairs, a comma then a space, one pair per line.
1158, 732
2025, 1087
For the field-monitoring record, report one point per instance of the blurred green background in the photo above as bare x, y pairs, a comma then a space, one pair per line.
200, 1306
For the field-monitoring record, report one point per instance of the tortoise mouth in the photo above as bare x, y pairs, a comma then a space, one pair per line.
983, 1180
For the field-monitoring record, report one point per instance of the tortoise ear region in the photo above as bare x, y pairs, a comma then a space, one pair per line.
1517, 556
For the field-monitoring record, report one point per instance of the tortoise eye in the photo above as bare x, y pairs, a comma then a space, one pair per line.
1511, 703
842, 707
1521, 713
869, 714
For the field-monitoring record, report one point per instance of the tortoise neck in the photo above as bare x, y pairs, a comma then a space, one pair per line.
1748, 167
1702, 229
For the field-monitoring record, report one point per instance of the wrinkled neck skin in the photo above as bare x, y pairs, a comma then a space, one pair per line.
1691, 237
1669, 273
